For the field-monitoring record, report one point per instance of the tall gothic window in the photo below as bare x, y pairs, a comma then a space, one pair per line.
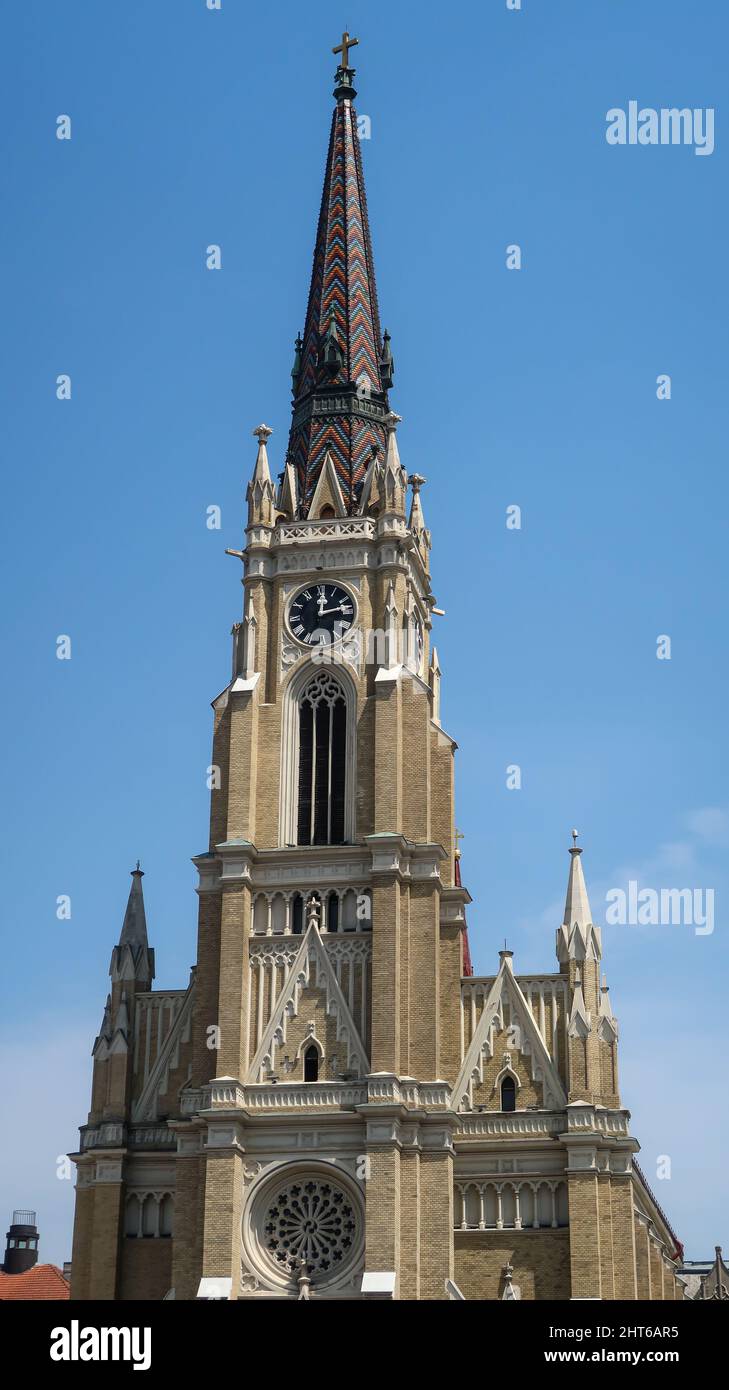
322, 751
508, 1093
311, 1064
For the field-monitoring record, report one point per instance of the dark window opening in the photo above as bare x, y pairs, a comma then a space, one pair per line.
322, 753
311, 1064
332, 912
297, 925
508, 1093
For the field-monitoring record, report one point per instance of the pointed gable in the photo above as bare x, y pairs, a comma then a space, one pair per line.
171, 1054
311, 971
541, 1069
327, 492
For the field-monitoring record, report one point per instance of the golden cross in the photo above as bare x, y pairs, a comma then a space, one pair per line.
344, 48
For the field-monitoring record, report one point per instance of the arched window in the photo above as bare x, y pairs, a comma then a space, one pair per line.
166, 1210
311, 1064
508, 1093
150, 1216
131, 1228
297, 915
333, 912
322, 754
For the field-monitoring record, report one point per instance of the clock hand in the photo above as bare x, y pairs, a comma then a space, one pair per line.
338, 609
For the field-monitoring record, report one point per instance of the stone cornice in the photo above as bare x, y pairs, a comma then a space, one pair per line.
306, 866
394, 856
383, 543
383, 1093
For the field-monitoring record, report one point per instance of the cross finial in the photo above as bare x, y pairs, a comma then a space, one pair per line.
344, 47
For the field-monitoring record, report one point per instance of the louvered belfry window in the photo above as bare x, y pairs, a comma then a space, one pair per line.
322, 751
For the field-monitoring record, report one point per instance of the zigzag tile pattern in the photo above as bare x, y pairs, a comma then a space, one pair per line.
342, 281
348, 438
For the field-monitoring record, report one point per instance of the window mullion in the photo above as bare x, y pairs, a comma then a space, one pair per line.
329, 775
312, 817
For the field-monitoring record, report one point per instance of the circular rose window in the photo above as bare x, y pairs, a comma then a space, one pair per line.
310, 1220
313, 1218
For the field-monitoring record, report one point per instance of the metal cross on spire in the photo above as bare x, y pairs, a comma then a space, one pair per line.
344, 47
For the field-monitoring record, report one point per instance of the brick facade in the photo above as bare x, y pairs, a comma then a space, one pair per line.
401, 1155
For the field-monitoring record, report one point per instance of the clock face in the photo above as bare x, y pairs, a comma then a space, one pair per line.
321, 613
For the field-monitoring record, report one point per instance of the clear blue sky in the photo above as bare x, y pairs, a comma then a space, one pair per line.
535, 387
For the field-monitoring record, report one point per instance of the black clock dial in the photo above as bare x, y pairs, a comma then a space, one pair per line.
321, 613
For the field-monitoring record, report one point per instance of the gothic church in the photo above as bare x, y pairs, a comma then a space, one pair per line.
337, 1107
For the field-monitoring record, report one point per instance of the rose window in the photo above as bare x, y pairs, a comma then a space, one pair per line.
313, 1221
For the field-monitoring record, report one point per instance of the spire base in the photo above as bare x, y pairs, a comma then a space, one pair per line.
344, 84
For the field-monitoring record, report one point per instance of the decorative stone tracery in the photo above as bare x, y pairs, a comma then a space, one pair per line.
314, 1217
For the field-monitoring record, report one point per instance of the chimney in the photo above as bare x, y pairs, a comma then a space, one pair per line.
21, 1250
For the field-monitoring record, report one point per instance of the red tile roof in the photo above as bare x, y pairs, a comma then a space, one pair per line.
42, 1281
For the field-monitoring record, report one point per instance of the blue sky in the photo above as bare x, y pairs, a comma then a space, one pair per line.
535, 388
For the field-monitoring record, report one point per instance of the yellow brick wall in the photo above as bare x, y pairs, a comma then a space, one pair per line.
585, 1232
541, 1262
187, 1253
146, 1269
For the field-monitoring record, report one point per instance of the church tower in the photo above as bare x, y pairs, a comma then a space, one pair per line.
337, 1107
329, 910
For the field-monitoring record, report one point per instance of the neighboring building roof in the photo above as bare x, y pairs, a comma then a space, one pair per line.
706, 1279
678, 1251
40, 1282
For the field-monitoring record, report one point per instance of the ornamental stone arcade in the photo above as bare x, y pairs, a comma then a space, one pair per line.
336, 1106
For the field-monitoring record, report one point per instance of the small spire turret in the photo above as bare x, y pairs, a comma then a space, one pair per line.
261, 494
132, 958
578, 938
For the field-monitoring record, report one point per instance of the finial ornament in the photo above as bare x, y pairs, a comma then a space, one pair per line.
304, 1280
416, 481
575, 848
344, 47
459, 836
262, 433
138, 870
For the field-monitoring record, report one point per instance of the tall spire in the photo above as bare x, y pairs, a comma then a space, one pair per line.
577, 904
578, 938
134, 929
342, 366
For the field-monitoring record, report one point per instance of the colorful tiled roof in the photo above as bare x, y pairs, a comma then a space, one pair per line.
40, 1282
340, 399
